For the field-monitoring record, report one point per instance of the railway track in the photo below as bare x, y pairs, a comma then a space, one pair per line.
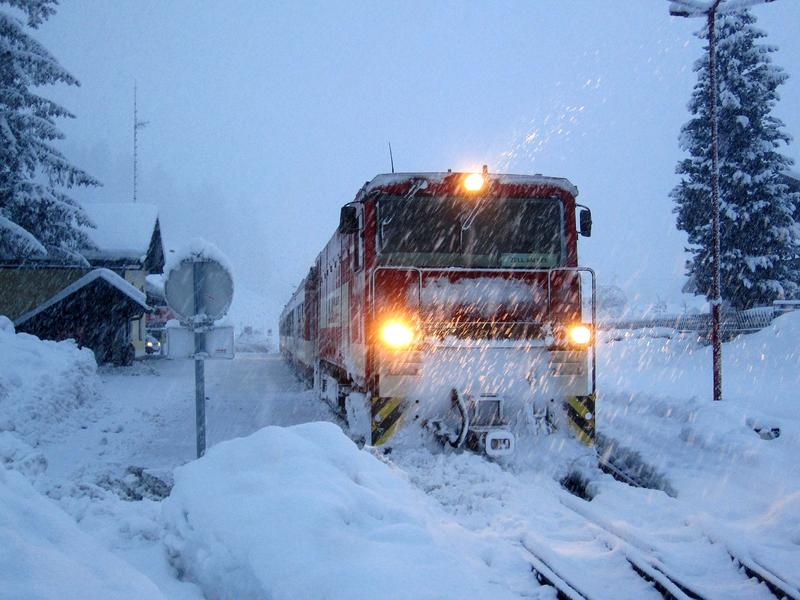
672, 585
590, 551
667, 584
777, 585
545, 575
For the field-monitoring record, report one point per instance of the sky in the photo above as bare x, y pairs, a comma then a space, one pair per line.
265, 117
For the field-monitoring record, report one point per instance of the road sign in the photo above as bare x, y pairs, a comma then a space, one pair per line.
200, 291
199, 287
217, 343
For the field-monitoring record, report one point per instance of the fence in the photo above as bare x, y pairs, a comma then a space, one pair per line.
732, 322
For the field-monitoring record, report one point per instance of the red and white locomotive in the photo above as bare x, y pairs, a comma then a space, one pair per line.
453, 301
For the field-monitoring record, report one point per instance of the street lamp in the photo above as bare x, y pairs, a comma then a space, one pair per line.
710, 9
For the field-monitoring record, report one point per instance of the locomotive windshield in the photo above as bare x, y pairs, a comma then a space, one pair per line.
452, 231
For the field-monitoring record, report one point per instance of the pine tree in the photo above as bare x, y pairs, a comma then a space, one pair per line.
36, 216
759, 238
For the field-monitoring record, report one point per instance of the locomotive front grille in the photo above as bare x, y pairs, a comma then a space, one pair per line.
403, 362
485, 330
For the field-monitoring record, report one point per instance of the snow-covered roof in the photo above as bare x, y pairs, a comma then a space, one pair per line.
197, 249
124, 229
388, 179
154, 285
106, 275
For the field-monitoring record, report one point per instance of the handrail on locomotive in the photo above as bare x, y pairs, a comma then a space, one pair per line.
549, 272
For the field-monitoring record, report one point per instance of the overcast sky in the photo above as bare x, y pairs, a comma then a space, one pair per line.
265, 117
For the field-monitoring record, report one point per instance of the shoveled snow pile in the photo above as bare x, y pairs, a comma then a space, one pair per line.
301, 512
43, 554
253, 340
41, 382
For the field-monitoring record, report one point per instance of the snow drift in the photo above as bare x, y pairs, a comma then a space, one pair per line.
45, 556
41, 382
734, 462
300, 512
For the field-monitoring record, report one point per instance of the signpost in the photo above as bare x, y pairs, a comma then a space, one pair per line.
199, 290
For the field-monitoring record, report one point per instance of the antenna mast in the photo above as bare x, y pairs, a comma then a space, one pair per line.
391, 158
137, 125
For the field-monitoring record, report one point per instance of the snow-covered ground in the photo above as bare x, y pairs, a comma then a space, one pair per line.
283, 506
743, 488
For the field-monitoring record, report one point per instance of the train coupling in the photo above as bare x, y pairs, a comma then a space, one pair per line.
494, 442
486, 431
482, 426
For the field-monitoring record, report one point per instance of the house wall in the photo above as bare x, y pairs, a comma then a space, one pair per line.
136, 277
23, 289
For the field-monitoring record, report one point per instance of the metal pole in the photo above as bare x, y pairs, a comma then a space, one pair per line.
199, 366
686, 8
200, 401
135, 136
716, 299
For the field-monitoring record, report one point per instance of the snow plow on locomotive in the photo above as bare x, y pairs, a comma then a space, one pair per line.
453, 301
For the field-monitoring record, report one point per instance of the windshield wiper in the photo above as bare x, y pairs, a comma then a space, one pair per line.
467, 224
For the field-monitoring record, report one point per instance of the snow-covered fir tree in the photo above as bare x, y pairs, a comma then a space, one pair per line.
759, 238
36, 216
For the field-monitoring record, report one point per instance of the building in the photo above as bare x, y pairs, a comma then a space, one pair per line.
128, 240
97, 297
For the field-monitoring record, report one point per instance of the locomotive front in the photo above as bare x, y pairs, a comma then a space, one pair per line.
472, 312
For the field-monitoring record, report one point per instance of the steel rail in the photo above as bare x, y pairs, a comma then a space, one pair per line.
546, 575
777, 585
673, 587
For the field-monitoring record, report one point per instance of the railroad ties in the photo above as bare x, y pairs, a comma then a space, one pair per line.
663, 580
666, 584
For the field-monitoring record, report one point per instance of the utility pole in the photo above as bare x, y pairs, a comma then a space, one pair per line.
710, 9
137, 125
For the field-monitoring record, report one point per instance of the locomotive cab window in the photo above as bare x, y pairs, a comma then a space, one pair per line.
453, 231
517, 232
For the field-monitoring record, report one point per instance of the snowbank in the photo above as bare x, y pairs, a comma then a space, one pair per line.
43, 554
16, 454
734, 462
253, 340
761, 370
300, 512
41, 382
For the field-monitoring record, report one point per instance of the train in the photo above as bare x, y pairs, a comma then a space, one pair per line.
452, 303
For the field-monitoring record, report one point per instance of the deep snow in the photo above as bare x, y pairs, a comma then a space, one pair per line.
298, 510
743, 489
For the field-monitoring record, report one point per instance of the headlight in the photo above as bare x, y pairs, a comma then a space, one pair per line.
580, 334
149, 344
396, 334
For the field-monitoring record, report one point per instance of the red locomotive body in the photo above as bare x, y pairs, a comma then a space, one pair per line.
430, 283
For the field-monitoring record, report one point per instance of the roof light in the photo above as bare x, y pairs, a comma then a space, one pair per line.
474, 182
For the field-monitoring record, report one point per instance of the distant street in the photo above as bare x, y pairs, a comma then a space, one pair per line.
144, 414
